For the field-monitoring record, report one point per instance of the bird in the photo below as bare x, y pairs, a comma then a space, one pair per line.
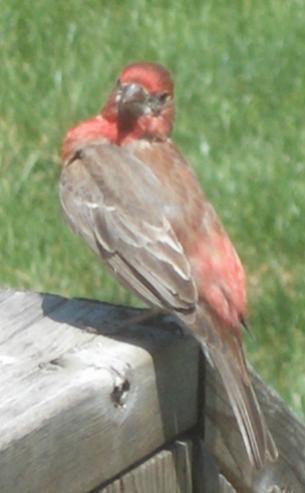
128, 191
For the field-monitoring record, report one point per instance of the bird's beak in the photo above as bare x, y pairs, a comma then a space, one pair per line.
133, 98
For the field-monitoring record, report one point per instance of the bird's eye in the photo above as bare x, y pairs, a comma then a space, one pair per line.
163, 97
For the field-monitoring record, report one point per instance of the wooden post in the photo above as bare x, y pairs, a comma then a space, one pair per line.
91, 401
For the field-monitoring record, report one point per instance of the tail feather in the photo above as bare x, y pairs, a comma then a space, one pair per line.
226, 354
258, 441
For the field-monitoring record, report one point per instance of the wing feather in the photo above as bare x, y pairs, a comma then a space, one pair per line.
122, 222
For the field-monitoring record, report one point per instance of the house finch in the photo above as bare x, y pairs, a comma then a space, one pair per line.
128, 191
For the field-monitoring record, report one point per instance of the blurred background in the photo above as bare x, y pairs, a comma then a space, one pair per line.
240, 86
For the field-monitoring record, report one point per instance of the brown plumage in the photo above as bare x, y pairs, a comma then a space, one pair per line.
128, 191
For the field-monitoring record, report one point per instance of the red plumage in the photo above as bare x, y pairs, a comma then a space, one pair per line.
129, 192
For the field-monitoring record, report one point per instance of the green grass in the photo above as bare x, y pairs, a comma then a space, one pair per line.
239, 72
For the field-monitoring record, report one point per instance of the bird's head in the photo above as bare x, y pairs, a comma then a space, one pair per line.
142, 101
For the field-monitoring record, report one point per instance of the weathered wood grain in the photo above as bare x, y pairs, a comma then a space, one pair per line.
168, 471
87, 393
172, 470
223, 440
78, 406
6, 293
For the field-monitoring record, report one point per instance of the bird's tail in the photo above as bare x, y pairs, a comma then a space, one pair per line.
226, 354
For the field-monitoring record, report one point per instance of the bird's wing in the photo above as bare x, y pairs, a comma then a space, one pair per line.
114, 201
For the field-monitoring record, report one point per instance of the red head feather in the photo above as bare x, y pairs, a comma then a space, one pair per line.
153, 76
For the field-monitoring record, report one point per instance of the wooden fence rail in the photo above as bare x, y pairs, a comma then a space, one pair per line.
93, 402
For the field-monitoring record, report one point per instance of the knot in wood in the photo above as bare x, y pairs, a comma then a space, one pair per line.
120, 392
